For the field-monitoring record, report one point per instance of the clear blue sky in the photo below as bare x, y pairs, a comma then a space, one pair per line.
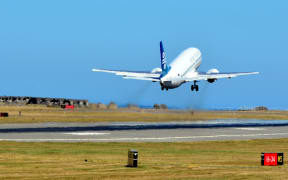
48, 48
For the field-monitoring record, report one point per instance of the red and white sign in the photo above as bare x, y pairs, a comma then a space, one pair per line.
270, 159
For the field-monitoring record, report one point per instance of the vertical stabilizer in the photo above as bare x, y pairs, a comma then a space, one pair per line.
164, 66
163, 57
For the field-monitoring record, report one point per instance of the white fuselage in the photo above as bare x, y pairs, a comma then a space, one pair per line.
185, 65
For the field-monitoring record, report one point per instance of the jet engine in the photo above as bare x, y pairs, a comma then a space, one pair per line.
212, 71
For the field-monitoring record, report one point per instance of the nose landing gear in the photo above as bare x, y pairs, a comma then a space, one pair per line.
195, 87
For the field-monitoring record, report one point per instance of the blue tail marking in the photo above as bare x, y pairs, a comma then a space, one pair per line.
165, 68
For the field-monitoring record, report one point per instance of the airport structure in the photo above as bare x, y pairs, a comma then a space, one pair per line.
23, 100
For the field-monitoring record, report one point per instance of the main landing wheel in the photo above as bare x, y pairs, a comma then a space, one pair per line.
195, 87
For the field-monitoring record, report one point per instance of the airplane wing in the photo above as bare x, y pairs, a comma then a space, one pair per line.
138, 75
206, 76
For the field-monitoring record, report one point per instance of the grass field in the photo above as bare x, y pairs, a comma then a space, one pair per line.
36, 114
199, 160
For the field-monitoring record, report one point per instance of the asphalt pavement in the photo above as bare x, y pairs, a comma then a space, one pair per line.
145, 132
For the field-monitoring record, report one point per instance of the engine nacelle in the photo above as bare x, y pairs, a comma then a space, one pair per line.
156, 70
211, 80
213, 71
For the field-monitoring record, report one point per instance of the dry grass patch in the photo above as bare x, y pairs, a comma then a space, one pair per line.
200, 160
34, 114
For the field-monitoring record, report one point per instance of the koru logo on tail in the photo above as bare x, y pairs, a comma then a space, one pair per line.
163, 55
163, 60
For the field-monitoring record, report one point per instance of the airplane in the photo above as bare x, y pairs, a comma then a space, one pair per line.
183, 69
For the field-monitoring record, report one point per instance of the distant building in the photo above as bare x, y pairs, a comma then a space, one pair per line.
18, 100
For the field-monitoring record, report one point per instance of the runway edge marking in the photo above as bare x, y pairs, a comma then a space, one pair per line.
137, 138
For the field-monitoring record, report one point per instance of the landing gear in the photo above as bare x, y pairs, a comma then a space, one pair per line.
162, 88
195, 87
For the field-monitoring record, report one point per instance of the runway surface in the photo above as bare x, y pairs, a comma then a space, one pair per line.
145, 132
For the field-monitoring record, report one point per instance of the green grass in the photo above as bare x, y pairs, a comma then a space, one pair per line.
189, 160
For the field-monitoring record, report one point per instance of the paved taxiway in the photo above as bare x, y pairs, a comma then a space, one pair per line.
145, 132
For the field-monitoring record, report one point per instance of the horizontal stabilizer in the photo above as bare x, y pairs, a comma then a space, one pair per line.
143, 78
140, 75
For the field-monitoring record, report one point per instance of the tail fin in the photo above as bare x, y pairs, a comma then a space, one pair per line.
163, 58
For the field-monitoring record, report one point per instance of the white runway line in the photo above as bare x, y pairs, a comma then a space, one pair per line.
86, 133
140, 138
251, 129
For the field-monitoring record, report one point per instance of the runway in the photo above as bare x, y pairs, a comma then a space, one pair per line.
145, 132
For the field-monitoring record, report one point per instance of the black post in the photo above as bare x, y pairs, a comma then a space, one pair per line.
262, 159
132, 158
